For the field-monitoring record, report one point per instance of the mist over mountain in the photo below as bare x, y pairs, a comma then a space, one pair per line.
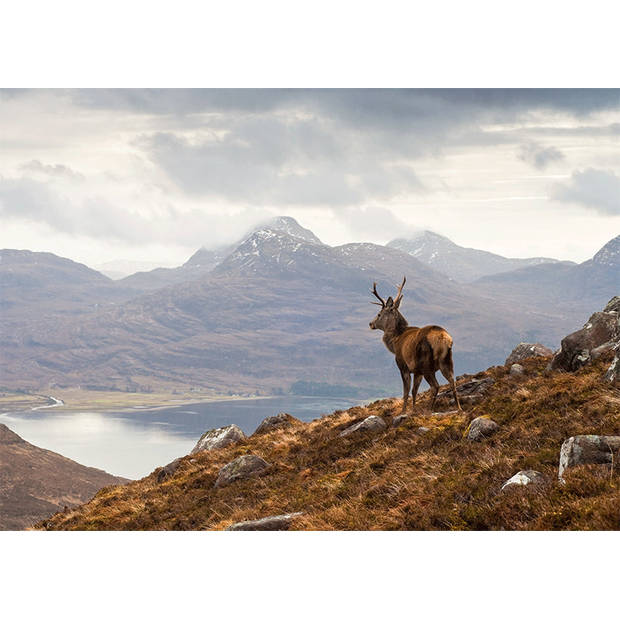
460, 263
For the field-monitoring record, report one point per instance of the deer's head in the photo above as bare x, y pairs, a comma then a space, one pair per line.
389, 319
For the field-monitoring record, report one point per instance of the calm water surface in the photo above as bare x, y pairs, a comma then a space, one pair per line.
134, 443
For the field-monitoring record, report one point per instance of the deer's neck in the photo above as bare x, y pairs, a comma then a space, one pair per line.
390, 337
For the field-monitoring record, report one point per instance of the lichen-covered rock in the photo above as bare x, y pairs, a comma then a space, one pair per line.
480, 428
523, 478
268, 524
167, 471
613, 372
588, 449
372, 423
602, 329
219, 438
399, 419
273, 422
469, 392
524, 350
516, 370
243, 467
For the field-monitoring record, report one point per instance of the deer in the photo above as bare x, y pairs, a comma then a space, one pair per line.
420, 351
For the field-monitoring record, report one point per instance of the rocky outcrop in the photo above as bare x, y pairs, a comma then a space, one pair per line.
600, 334
588, 449
524, 350
480, 428
275, 422
371, 424
399, 419
243, 467
470, 392
268, 524
523, 478
219, 438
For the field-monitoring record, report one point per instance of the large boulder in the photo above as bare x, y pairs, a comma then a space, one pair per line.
268, 524
588, 449
372, 423
469, 392
167, 471
243, 467
275, 422
600, 333
523, 478
219, 438
480, 428
524, 350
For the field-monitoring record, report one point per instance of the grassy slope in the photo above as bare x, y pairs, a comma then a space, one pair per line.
399, 479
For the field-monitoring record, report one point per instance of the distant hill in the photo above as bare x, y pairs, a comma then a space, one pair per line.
461, 264
35, 483
560, 286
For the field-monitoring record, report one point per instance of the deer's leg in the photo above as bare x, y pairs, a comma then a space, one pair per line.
432, 381
417, 379
448, 373
406, 377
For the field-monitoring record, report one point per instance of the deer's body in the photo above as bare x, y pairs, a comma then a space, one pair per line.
420, 351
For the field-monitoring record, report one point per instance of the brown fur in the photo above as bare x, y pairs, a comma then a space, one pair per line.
420, 351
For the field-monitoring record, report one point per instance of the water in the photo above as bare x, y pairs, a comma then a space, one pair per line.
133, 443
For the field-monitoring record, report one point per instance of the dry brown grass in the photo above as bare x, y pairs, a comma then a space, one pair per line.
400, 479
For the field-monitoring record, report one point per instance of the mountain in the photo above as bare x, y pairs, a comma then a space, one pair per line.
423, 472
204, 260
119, 269
35, 483
34, 285
279, 309
565, 288
461, 264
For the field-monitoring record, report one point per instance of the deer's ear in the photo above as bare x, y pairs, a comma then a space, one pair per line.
389, 302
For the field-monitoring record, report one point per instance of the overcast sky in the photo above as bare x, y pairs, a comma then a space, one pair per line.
99, 175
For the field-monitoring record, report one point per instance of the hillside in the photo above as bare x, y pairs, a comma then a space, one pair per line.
460, 263
277, 310
423, 474
35, 483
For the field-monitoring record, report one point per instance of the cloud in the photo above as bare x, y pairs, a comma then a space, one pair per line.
539, 156
376, 223
596, 189
52, 170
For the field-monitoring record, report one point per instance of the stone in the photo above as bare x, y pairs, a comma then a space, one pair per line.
399, 419
516, 370
167, 471
219, 438
470, 392
601, 330
422, 430
480, 428
524, 478
613, 372
243, 467
525, 350
372, 423
274, 422
268, 524
588, 449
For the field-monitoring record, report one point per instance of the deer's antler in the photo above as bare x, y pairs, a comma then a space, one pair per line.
374, 292
400, 292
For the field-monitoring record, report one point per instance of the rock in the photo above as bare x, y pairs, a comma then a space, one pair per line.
523, 478
168, 470
268, 524
273, 422
372, 423
601, 330
516, 370
613, 372
422, 430
470, 392
480, 428
246, 466
588, 449
524, 350
219, 438
399, 419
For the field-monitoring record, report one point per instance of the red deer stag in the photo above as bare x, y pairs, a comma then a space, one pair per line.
418, 350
